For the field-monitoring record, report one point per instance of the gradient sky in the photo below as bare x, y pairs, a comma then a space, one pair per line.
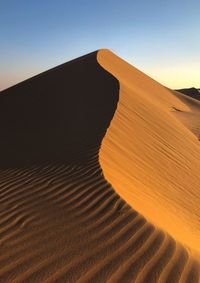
160, 37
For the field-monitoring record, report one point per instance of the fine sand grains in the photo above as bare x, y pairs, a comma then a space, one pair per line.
60, 219
151, 152
66, 224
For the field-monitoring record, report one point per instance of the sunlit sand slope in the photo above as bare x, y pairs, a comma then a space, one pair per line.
60, 220
149, 155
66, 224
191, 118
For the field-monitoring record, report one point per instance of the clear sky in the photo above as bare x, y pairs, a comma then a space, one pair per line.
160, 37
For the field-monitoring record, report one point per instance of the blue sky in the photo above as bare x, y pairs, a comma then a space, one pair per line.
161, 38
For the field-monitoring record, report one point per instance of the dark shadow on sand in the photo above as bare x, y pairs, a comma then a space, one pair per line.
58, 115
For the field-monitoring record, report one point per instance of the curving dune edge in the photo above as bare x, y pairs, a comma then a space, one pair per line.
151, 151
61, 220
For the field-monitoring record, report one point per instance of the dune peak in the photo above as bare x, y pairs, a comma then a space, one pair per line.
99, 177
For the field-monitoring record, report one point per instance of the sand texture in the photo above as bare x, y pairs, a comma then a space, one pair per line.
98, 177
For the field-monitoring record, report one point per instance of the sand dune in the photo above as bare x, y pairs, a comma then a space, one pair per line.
191, 92
61, 220
149, 156
191, 118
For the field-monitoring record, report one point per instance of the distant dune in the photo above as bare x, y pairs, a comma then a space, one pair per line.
99, 178
192, 92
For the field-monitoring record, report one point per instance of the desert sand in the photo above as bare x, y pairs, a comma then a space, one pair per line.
98, 177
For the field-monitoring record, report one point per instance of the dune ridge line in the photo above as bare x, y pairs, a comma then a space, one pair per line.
61, 220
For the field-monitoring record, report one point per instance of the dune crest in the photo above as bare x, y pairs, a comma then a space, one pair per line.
60, 219
149, 156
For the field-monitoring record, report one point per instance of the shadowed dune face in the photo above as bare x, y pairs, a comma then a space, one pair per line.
60, 220
191, 92
57, 114
149, 156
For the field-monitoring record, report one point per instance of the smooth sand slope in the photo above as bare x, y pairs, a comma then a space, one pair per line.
191, 118
60, 220
149, 156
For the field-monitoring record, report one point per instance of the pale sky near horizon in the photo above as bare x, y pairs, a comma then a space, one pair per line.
161, 38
